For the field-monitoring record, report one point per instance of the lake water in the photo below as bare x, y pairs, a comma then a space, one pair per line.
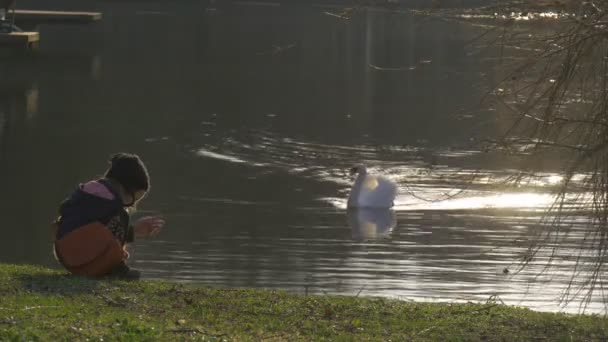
249, 118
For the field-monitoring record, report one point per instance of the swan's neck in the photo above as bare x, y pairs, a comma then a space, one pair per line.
354, 192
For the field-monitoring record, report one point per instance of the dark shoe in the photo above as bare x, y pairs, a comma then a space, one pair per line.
124, 272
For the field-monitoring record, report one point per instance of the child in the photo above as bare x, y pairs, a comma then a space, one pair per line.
92, 230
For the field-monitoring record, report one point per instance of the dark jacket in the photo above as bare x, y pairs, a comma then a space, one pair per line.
82, 208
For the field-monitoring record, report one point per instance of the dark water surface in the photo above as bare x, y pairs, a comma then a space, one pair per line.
248, 119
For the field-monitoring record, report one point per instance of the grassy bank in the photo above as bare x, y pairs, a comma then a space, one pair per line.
40, 304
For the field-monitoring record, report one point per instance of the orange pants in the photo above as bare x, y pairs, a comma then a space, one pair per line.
90, 251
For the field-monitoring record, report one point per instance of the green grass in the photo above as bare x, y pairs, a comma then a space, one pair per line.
38, 304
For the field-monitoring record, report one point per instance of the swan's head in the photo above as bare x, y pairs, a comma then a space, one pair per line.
360, 169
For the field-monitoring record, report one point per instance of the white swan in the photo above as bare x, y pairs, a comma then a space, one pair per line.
370, 191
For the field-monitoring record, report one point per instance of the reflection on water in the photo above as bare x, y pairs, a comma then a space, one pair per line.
435, 256
370, 223
249, 120
31, 102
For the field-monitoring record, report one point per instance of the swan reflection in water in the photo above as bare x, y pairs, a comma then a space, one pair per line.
371, 223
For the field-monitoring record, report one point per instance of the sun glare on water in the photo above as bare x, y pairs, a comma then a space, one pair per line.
407, 202
519, 200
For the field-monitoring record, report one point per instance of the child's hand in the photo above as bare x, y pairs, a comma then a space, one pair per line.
148, 226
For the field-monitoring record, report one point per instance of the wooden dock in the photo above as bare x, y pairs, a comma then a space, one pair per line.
20, 39
56, 17
29, 20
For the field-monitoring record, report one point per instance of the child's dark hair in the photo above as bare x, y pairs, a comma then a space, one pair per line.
129, 171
